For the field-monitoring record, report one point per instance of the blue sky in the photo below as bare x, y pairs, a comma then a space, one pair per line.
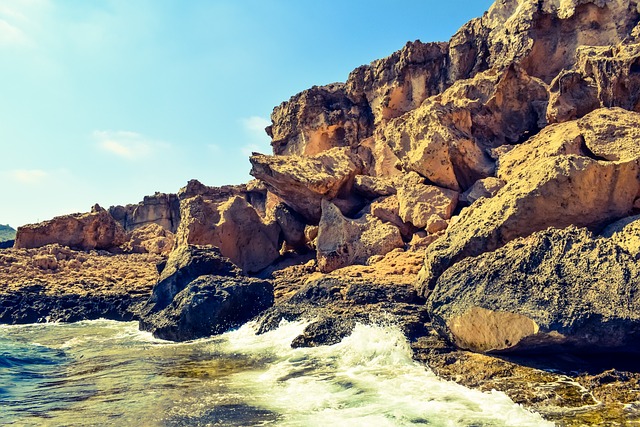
105, 101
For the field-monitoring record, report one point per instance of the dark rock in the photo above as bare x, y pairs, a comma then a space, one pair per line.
327, 331
554, 290
7, 244
184, 265
209, 305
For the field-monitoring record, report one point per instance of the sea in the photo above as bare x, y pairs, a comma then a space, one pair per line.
107, 373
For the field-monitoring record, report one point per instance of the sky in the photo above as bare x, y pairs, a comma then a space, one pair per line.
106, 101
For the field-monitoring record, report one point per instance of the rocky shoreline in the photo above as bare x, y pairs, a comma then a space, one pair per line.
482, 194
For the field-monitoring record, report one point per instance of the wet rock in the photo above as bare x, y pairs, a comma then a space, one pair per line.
201, 293
209, 305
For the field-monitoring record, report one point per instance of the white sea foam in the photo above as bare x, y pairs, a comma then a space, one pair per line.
367, 379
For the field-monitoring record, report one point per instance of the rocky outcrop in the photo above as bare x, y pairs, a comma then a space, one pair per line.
94, 230
200, 293
161, 209
446, 138
603, 76
342, 241
542, 36
303, 182
150, 238
400, 82
546, 294
487, 187
556, 191
319, 119
232, 225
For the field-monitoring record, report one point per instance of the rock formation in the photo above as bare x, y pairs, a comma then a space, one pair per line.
94, 230
457, 157
161, 209
200, 293
542, 291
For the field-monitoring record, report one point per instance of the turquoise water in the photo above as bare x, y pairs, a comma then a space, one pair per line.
109, 373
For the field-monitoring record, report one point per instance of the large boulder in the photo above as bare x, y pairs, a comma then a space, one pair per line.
232, 225
200, 293
554, 288
419, 202
553, 191
94, 230
342, 241
302, 182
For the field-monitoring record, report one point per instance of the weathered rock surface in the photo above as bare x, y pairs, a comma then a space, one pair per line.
604, 76
94, 230
542, 290
400, 82
232, 225
542, 36
418, 202
487, 187
303, 182
343, 241
150, 238
56, 284
161, 209
445, 138
554, 191
318, 119
200, 293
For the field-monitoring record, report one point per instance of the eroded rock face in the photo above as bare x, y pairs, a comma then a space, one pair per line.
150, 238
302, 182
342, 241
93, 230
542, 36
400, 82
418, 202
161, 209
447, 137
554, 191
232, 225
318, 119
545, 295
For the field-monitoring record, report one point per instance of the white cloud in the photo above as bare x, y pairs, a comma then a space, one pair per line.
11, 36
26, 176
255, 125
20, 20
258, 140
127, 145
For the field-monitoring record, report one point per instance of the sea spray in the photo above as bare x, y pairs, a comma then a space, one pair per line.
104, 372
